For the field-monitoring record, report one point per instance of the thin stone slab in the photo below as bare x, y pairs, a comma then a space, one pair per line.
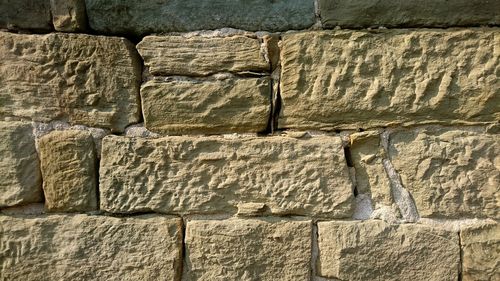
25, 15
481, 248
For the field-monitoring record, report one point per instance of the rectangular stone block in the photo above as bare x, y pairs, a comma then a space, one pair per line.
480, 248
376, 250
362, 79
69, 165
206, 106
202, 56
69, 15
452, 173
251, 249
192, 175
20, 181
415, 13
25, 14
81, 247
153, 16
84, 79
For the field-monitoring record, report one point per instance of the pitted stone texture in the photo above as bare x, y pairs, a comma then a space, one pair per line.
189, 106
363, 79
250, 249
415, 13
20, 181
159, 16
69, 15
376, 250
25, 14
193, 175
83, 79
68, 163
451, 173
481, 251
201, 56
80, 247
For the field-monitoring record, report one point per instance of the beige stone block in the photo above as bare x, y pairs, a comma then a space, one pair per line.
481, 252
69, 15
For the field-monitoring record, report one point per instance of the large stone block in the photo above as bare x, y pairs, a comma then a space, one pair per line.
376, 250
210, 106
25, 14
20, 180
202, 56
84, 79
360, 79
153, 16
68, 162
185, 175
481, 251
69, 15
415, 13
250, 249
80, 247
449, 172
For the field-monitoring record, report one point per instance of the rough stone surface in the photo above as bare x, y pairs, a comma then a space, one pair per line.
376, 250
21, 181
80, 247
360, 79
415, 13
200, 56
69, 15
186, 175
449, 172
84, 79
251, 249
68, 163
481, 252
206, 106
25, 14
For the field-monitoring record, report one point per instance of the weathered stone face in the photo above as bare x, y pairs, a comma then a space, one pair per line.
25, 14
21, 181
361, 250
89, 80
69, 15
80, 247
362, 79
151, 16
184, 175
251, 249
450, 172
211, 106
480, 248
68, 163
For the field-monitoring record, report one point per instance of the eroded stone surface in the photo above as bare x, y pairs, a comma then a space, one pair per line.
69, 15
80, 247
25, 14
360, 79
68, 163
20, 181
374, 249
206, 106
254, 249
84, 79
186, 175
481, 249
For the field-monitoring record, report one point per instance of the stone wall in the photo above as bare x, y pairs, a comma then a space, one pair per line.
249, 140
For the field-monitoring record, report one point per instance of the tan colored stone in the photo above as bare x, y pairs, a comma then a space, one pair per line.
449, 172
80, 247
481, 252
251, 249
362, 79
20, 181
68, 162
84, 79
201, 56
375, 250
69, 15
186, 175
207, 106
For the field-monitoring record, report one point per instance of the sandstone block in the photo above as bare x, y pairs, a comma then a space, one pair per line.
69, 15
20, 181
68, 162
80, 247
450, 172
25, 14
153, 16
481, 249
186, 175
389, 77
187, 106
254, 249
84, 79
374, 249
